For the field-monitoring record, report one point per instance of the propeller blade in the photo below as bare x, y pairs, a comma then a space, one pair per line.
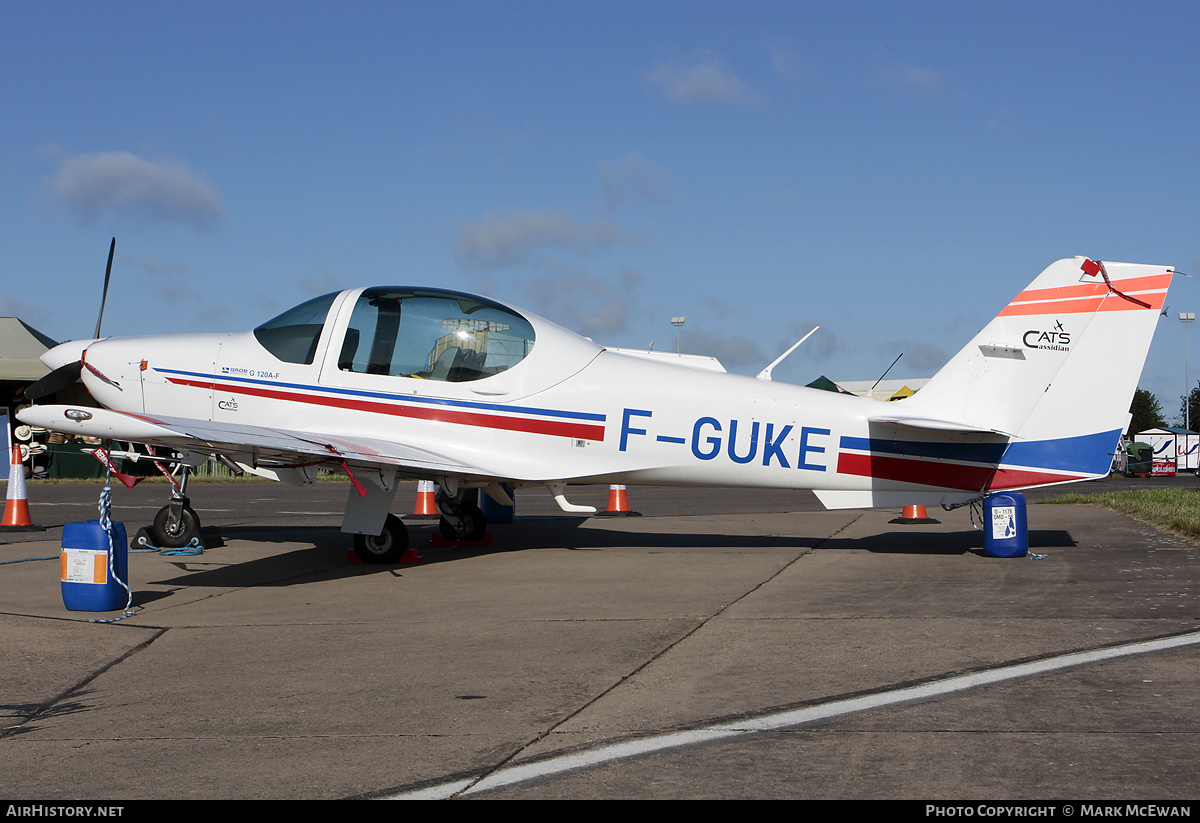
104, 295
56, 380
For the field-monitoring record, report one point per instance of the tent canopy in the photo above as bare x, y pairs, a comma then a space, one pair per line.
20, 347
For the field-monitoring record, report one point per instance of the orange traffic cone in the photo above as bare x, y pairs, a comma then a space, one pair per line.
425, 501
16, 507
618, 502
914, 514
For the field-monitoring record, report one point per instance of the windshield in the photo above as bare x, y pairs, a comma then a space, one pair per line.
292, 336
432, 334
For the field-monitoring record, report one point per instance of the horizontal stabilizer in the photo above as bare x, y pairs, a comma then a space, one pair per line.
934, 424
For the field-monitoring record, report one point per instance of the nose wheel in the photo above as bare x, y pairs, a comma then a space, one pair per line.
175, 525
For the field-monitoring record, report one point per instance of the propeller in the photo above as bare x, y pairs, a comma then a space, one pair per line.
64, 376
56, 380
104, 294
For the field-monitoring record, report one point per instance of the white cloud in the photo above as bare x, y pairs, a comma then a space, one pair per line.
923, 78
634, 178
893, 75
583, 301
735, 352
154, 266
921, 359
706, 79
175, 291
784, 60
124, 184
518, 238
13, 306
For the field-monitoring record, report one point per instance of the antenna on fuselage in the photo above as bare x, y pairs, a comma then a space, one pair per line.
765, 374
885, 371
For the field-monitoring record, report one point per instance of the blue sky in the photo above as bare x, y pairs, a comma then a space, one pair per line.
892, 171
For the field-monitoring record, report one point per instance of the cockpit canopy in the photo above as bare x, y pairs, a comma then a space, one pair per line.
433, 334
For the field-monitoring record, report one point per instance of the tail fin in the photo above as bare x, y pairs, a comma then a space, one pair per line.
1055, 371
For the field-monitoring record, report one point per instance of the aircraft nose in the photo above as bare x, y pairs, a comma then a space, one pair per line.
65, 366
110, 373
65, 353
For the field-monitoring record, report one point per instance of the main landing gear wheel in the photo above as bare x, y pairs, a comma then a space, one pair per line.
175, 536
386, 547
472, 525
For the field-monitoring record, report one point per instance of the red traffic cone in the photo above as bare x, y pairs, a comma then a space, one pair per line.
425, 501
618, 502
16, 506
914, 514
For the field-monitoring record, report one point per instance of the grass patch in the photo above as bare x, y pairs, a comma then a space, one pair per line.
1176, 510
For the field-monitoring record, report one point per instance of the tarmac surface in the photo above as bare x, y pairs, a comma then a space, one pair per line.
725, 644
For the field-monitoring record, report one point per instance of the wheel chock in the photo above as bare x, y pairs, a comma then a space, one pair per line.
441, 542
411, 557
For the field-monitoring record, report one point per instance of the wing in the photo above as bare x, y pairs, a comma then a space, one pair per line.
257, 446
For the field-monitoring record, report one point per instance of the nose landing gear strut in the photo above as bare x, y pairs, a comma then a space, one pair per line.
176, 523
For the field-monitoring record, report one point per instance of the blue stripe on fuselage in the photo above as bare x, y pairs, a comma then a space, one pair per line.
1085, 454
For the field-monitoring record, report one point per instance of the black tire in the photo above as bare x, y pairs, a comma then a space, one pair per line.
386, 547
189, 528
476, 526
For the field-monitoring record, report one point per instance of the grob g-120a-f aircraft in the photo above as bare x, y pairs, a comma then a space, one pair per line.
392, 382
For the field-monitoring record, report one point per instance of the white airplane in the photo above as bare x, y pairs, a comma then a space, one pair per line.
393, 382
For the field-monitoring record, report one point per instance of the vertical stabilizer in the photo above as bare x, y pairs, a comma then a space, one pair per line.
1055, 370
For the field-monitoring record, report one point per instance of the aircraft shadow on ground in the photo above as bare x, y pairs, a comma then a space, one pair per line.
960, 542
73, 704
547, 533
327, 551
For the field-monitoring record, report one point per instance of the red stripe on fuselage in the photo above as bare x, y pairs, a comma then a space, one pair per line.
435, 414
943, 475
946, 475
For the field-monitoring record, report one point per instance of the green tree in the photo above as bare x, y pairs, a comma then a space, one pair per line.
1189, 409
1146, 411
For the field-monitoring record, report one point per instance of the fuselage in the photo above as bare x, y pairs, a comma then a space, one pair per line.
555, 407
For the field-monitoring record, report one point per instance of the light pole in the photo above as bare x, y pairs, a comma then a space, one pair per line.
677, 322
1186, 317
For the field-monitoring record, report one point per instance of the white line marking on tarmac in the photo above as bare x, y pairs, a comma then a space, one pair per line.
606, 754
